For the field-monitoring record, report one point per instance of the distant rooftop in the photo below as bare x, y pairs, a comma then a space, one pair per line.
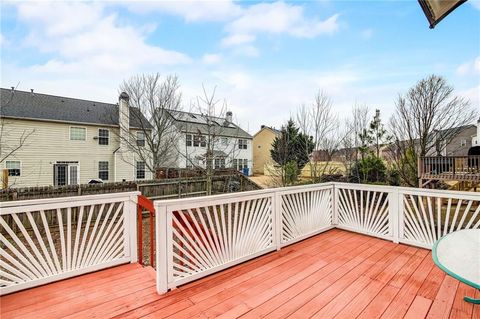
38, 106
195, 122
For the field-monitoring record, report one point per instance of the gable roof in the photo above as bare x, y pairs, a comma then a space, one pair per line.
272, 129
37, 106
193, 123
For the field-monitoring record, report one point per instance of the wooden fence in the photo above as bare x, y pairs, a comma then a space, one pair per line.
154, 189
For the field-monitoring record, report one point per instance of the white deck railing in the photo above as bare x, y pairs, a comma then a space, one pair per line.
45, 240
199, 236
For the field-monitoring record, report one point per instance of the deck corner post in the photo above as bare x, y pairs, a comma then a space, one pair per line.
393, 213
161, 245
334, 205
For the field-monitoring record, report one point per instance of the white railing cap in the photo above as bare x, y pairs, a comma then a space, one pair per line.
69, 199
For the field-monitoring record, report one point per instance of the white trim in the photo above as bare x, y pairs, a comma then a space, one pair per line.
105, 129
21, 166
71, 122
77, 126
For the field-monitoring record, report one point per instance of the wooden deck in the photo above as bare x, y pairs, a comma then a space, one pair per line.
336, 274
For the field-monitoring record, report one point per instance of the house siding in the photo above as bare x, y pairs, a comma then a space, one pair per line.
50, 142
262, 144
231, 150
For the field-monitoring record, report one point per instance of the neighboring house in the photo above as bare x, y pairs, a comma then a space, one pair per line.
70, 141
232, 146
459, 144
476, 137
262, 145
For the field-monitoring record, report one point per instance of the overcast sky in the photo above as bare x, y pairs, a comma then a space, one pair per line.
264, 58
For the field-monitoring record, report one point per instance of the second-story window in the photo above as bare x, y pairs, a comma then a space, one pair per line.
463, 143
199, 140
78, 133
188, 139
103, 136
140, 139
242, 144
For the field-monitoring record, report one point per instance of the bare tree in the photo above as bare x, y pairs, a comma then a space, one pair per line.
153, 97
352, 141
322, 124
428, 116
216, 122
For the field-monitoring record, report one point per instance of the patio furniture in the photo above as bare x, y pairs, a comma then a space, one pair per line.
458, 254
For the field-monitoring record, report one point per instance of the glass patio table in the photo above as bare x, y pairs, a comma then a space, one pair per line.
458, 254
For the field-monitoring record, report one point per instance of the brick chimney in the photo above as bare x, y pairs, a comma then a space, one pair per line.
123, 119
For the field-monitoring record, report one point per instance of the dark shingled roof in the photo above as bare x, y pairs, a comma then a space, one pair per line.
189, 122
36, 106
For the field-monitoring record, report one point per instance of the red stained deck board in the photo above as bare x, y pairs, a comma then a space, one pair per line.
419, 308
335, 274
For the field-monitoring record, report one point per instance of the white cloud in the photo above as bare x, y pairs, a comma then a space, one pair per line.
237, 39
475, 3
191, 11
274, 19
366, 34
211, 58
95, 41
469, 67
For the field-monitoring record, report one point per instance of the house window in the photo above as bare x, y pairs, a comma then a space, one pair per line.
13, 168
78, 133
242, 144
245, 163
66, 173
463, 143
199, 140
140, 170
103, 170
234, 163
140, 139
219, 163
189, 140
103, 136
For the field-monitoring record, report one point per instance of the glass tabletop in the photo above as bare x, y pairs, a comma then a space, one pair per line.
458, 254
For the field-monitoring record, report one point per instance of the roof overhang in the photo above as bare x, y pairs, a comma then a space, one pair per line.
436, 10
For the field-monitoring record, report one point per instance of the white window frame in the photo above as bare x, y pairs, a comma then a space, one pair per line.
144, 170
107, 170
463, 142
108, 137
67, 176
75, 126
242, 144
20, 167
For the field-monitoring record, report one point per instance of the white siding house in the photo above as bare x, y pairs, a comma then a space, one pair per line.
66, 141
231, 145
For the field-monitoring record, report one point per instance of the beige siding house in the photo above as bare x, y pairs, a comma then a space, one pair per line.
262, 144
52, 140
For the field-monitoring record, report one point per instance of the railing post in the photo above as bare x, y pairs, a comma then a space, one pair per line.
401, 213
130, 227
393, 214
161, 242
277, 219
334, 205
